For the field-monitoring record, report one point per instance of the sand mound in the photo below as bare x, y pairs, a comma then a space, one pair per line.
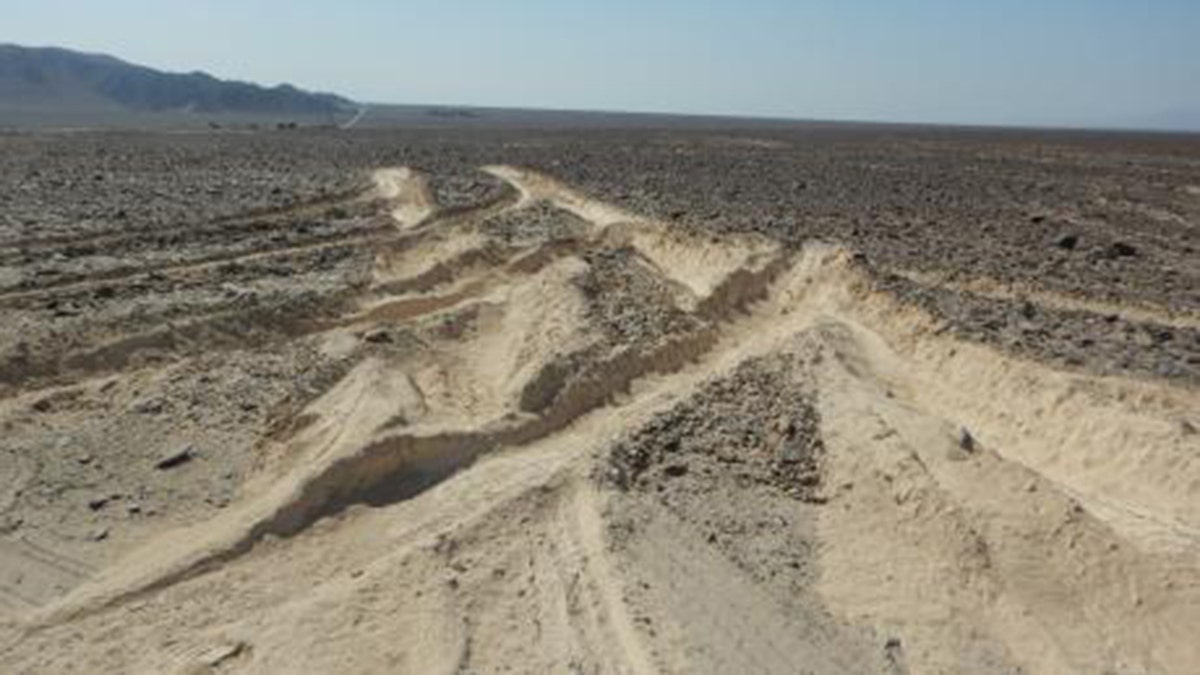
585, 441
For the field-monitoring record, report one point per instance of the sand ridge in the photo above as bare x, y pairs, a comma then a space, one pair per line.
449, 504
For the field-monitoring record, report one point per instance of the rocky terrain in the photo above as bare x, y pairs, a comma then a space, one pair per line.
806, 398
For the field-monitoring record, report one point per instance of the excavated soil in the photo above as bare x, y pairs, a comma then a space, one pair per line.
787, 399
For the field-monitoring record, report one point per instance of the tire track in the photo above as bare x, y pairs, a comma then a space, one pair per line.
315, 207
374, 236
991, 527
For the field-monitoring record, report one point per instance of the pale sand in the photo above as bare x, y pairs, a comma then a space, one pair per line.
440, 511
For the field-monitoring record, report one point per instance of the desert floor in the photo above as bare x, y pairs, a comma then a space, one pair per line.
782, 398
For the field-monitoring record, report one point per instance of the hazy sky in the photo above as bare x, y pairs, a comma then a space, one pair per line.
1085, 62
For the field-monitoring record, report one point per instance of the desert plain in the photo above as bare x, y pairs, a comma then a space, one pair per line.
704, 398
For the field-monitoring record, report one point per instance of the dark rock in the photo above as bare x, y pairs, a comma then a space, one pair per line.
150, 406
965, 440
1067, 242
182, 456
893, 651
675, 470
378, 336
1116, 250
216, 657
1121, 249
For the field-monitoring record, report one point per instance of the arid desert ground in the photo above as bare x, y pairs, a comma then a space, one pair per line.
804, 398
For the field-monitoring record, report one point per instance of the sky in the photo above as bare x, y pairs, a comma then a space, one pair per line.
1012, 62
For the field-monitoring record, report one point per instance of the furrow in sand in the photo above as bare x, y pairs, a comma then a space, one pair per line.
973, 512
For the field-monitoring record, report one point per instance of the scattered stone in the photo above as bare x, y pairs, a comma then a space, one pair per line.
1121, 249
1067, 242
758, 422
150, 406
965, 440
1116, 250
675, 470
215, 656
177, 458
378, 336
98, 534
893, 651
1187, 428
97, 503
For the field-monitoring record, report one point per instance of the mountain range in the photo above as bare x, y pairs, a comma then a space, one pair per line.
57, 83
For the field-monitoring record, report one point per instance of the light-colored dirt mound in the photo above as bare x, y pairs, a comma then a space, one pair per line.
583, 441
409, 194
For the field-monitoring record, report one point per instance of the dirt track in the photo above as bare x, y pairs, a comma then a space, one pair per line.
537, 431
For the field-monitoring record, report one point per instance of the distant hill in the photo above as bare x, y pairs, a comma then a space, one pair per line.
1171, 120
64, 83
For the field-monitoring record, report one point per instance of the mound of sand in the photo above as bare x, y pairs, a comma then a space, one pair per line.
585, 441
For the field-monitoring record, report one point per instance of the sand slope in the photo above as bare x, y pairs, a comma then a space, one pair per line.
589, 442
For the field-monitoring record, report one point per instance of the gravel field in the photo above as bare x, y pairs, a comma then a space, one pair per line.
706, 398
974, 225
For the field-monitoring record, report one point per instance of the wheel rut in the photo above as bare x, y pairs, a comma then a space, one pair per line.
514, 344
